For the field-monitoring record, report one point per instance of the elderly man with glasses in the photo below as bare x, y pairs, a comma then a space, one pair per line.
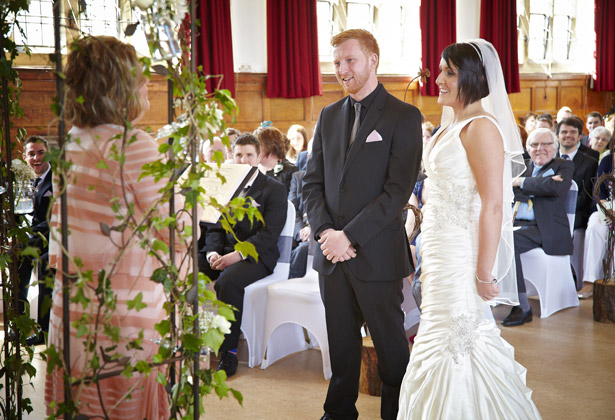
540, 212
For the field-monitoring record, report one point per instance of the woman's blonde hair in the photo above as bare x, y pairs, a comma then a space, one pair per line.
103, 76
297, 128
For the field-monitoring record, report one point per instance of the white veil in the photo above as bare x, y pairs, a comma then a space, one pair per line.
498, 105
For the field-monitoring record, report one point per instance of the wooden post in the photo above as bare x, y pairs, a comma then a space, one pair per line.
369, 382
604, 303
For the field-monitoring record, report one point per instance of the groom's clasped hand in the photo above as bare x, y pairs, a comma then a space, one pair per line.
335, 246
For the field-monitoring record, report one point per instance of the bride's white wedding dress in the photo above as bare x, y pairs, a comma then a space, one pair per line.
460, 367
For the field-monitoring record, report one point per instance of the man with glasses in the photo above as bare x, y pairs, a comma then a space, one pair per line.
540, 212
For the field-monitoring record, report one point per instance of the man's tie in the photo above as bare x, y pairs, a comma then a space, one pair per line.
36, 182
244, 191
357, 122
565, 157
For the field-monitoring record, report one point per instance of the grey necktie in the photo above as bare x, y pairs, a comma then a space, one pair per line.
356, 123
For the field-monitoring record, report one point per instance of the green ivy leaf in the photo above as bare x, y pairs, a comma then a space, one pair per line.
226, 312
163, 327
191, 342
102, 164
136, 303
158, 245
247, 249
143, 367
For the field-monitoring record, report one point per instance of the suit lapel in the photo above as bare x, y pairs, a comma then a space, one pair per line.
256, 189
43, 186
366, 127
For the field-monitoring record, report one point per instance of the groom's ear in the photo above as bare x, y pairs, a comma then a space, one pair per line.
373, 61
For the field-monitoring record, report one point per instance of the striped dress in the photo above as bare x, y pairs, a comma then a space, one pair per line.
95, 183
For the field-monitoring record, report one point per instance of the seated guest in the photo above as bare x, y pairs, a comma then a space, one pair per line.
232, 271
302, 158
215, 145
596, 234
418, 199
540, 212
35, 149
599, 139
232, 134
545, 121
564, 112
427, 130
609, 121
273, 162
593, 120
585, 167
302, 233
569, 132
529, 122
298, 142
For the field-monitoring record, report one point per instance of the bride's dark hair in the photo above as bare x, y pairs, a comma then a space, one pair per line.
465, 58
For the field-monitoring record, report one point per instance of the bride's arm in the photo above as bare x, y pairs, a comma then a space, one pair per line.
485, 151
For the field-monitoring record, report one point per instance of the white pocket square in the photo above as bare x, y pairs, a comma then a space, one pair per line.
48, 194
373, 136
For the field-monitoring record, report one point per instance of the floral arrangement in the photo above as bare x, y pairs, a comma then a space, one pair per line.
22, 171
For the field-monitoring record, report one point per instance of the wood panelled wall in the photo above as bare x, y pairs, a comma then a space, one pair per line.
538, 93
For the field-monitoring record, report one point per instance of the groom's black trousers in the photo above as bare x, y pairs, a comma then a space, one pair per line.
349, 303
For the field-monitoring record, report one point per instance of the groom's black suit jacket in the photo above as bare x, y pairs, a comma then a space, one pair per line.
363, 188
549, 197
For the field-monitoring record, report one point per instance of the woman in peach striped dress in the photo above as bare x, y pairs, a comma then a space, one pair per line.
106, 74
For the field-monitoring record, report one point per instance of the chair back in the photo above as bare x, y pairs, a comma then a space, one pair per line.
571, 204
255, 295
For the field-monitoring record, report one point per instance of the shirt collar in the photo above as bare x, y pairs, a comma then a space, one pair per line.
45, 174
369, 99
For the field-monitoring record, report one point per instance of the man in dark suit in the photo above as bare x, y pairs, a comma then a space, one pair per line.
35, 149
569, 132
232, 271
594, 119
302, 160
540, 212
363, 166
302, 232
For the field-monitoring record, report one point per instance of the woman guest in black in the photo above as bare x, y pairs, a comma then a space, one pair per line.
273, 162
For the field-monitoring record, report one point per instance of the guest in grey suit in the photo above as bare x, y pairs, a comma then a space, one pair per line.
540, 196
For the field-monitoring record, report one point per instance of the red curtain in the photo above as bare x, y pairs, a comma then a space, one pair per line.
605, 45
438, 29
293, 66
498, 25
214, 46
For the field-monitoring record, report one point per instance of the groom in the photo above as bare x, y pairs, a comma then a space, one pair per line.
364, 163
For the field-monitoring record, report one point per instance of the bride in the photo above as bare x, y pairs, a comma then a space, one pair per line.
460, 367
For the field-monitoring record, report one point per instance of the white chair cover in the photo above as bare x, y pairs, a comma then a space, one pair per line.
255, 298
292, 306
550, 276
